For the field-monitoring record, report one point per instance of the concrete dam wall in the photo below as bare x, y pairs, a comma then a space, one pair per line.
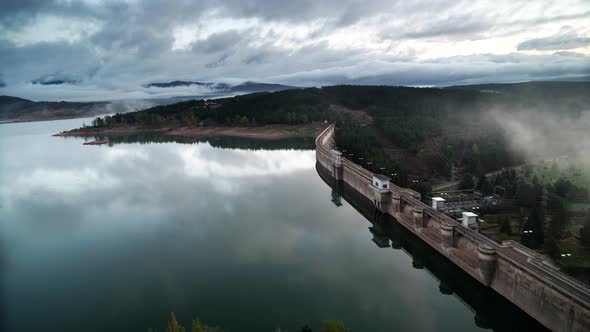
556, 300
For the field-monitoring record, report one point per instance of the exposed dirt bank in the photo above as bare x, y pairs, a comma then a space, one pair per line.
260, 132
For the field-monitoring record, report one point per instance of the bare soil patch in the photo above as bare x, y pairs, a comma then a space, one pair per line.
260, 132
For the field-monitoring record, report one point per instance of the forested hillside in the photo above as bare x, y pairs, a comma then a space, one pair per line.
434, 131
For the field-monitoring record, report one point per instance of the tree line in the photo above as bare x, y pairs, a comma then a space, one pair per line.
445, 126
544, 205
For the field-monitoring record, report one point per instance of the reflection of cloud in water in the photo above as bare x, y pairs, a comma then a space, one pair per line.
69, 182
118, 154
203, 161
166, 217
151, 166
224, 166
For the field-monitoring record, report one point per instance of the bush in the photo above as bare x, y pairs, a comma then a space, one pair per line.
334, 326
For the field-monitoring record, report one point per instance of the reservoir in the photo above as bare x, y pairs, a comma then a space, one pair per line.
245, 235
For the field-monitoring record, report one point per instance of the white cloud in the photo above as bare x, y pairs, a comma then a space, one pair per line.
47, 182
115, 47
119, 155
202, 162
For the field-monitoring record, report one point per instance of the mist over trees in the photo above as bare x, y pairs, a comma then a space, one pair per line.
418, 136
455, 128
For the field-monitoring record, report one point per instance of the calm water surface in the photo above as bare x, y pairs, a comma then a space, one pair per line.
99, 238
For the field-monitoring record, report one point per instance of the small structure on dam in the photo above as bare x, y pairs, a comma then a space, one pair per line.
381, 181
337, 163
438, 203
380, 186
469, 219
514, 271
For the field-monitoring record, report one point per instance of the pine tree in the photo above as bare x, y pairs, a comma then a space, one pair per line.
482, 179
334, 326
173, 325
466, 182
537, 221
559, 219
306, 329
585, 231
196, 326
551, 246
506, 227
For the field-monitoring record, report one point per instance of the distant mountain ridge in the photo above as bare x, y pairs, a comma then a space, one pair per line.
251, 87
246, 87
4, 100
55, 82
547, 91
173, 84
525, 86
57, 79
15, 109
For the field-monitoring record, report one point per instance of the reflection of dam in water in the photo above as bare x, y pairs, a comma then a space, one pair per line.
491, 311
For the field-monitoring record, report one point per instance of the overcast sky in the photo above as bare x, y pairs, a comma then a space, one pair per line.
109, 49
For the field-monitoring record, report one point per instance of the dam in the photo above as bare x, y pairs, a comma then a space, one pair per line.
516, 272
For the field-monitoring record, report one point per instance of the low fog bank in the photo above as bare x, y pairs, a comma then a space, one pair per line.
133, 105
125, 106
92, 93
543, 135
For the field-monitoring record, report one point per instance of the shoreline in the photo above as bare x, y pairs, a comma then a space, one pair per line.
268, 132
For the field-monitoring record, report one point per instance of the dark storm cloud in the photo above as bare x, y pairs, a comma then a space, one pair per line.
343, 12
257, 58
217, 42
112, 47
18, 12
59, 56
220, 62
43, 59
56, 79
